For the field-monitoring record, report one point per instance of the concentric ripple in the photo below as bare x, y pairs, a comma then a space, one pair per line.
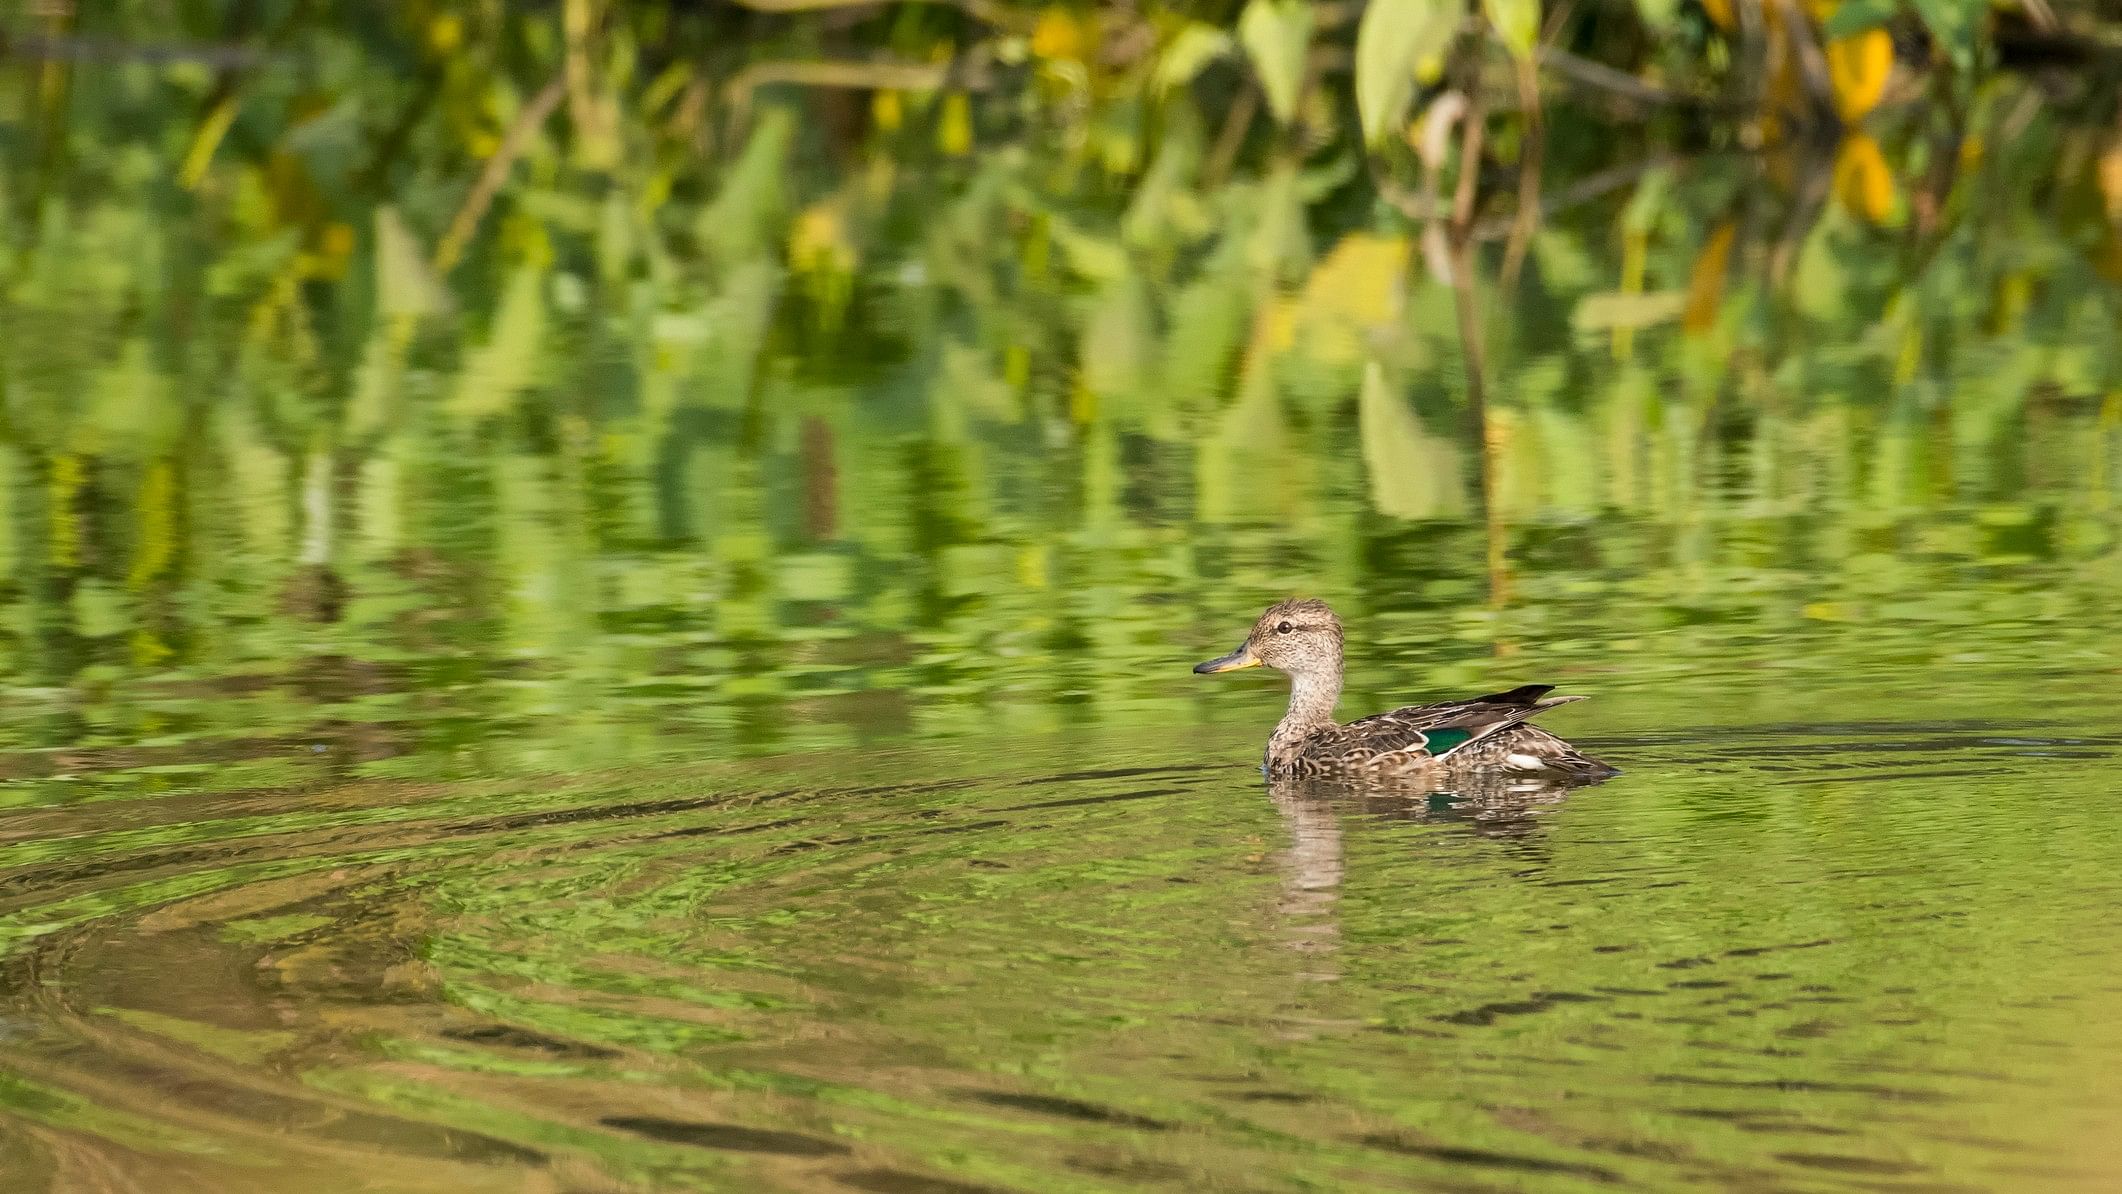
1736, 966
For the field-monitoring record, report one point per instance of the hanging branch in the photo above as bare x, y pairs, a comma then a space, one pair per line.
451, 247
1527, 220
984, 10
1812, 63
968, 73
1597, 74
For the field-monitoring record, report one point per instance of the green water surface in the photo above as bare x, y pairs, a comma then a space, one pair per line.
661, 705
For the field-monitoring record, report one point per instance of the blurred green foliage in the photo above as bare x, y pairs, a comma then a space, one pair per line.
423, 374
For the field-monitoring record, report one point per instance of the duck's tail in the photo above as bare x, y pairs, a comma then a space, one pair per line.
1503, 739
1530, 696
1532, 749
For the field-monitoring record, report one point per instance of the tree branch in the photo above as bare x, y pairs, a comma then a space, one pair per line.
494, 173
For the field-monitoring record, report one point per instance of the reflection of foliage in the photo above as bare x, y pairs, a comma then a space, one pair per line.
614, 354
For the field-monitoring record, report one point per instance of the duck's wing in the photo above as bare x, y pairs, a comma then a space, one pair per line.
1439, 729
1528, 748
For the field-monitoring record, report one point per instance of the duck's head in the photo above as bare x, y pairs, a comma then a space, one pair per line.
1295, 636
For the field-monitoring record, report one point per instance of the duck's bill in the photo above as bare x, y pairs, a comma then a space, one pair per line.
1243, 657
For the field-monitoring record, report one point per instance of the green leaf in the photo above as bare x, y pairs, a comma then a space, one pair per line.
1393, 41
1649, 202
746, 212
1414, 473
1517, 22
1090, 255
1954, 23
404, 283
1855, 16
1605, 312
1658, 15
1276, 33
1195, 47
497, 371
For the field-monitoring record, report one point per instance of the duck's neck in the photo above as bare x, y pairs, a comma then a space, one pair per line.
1311, 707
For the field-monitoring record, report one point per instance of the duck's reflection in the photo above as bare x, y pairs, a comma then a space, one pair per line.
1311, 876
1498, 806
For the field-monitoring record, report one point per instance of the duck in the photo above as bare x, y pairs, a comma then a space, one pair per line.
1302, 638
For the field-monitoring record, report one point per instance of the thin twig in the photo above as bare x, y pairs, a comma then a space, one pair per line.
690, 121
1473, 133
593, 131
1529, 161
1604, 77
968, 74
1472, 136
1557, 17
1474, 355
1753, 52
1945, 157
98, 49
1811, 62
1469, 316
1434, 146
1236, 123
495, 172
1417, 208
985, 10
1581, 192
1815, 179
1535, 152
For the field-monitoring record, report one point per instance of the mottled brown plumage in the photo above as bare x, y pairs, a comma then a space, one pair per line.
1485, 733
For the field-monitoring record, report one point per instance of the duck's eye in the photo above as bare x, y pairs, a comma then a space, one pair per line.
1284, 628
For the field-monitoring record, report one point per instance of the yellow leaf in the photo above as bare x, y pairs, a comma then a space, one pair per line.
954, 133
445, 33
1720, 12
1862, 181
1082, 405
1858, 67
1705, 284
205, 142
333, 248
2111, 181
818, 240
157, 545
68, 475
1354, 290
1277, 326
887, 111
337, 240
1356, 279
1616, 312
1621, 311
1059, 34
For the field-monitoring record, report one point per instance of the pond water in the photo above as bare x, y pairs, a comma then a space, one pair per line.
1873, 948
699, 698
